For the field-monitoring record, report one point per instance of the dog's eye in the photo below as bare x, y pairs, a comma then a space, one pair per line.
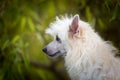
58, 39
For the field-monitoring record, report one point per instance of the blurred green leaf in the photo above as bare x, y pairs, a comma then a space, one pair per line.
23, 23
88, 14
40, 38
100, 22
6, 43
26, 61
115, 13
15, 38
31, 24
51, 9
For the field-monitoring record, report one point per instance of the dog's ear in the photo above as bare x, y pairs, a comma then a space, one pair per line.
74, 25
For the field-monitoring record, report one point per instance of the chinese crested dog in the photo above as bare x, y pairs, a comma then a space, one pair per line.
87, 55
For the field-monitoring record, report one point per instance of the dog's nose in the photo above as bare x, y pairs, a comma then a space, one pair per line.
44, 49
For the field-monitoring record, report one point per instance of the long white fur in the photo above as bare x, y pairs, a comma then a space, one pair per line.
88, 58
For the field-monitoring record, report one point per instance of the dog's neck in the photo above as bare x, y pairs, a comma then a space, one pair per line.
79, 56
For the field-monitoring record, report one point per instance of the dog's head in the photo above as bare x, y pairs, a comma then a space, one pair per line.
60, 31
55, 48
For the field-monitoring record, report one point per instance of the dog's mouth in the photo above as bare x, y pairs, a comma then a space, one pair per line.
55, 54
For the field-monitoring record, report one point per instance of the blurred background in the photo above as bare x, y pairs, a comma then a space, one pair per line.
22, 37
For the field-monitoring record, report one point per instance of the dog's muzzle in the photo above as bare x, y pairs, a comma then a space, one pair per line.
51, 55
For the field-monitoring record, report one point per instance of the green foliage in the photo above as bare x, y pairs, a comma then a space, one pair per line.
22, 37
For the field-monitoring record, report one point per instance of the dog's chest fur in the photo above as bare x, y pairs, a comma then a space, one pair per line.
86, 65
81, 68
84, 71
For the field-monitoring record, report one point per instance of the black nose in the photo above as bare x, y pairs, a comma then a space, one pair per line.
44, 49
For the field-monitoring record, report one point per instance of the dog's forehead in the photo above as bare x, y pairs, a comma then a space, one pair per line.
59, 27
55, 33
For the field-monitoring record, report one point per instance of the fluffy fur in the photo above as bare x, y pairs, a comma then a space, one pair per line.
88, 56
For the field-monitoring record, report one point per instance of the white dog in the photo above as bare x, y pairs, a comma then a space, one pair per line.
87, 55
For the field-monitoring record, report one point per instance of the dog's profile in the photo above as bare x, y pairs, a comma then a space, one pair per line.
87, 55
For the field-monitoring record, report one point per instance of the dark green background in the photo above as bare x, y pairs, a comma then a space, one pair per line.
22, 37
